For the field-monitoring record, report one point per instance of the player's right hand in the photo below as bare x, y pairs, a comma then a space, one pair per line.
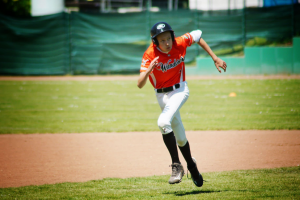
154, 63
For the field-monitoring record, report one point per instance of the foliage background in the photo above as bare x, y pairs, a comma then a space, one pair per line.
16, 8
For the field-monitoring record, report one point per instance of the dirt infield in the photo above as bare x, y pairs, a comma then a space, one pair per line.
37, 159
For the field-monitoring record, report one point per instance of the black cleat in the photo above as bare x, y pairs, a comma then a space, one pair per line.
196, 176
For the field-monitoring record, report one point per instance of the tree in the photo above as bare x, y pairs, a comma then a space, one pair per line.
16, 8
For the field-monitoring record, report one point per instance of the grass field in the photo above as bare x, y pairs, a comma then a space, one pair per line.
119, 106
280, 183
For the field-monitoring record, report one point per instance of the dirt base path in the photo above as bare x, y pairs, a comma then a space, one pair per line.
37, 159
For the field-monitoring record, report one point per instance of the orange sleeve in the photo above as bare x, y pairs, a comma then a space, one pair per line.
145, 62
186, 39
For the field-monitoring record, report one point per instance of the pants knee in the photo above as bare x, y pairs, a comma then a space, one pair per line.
164, 126
181, 141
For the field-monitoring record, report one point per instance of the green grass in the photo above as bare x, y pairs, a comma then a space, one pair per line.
119, 106
280, 183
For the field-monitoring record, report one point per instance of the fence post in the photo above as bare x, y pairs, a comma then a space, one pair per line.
70, 43
148, 21
196, 23
293, 22
244, 23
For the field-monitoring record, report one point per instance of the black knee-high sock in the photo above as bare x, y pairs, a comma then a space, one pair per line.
171, 145
186, 152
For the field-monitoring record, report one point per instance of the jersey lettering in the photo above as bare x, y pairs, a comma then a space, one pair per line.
170, 68
166, 66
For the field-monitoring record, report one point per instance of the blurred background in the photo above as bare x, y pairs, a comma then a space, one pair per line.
72, 37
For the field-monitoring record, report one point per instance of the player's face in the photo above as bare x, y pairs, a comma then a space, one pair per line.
165, 41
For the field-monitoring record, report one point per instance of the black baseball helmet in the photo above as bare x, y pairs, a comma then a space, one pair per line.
159, 28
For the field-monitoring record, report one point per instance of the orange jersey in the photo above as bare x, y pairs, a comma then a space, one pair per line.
171, 68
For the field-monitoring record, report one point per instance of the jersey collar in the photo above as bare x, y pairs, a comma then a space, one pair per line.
162, 51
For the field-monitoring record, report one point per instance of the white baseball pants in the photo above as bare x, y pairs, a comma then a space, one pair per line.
170, 120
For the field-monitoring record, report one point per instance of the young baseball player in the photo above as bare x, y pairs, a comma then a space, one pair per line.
163, 63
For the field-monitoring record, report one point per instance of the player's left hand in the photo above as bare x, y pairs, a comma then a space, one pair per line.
220, 63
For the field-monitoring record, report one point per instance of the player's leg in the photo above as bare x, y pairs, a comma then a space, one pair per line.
170, 142
184, 147
168, 136
177, 168
170, 104
181, 139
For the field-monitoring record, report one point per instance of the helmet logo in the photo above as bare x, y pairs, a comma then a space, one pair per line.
161, 26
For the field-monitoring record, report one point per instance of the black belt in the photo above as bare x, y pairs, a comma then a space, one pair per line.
168, 89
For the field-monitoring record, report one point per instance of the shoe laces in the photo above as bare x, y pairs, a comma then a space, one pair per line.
187, 174
175, 169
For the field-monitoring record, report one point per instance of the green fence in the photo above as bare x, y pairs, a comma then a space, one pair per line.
257, 60
79, 43
106, 43
34, 46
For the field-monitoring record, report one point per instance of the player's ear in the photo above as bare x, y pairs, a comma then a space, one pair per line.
155, 41
172, 35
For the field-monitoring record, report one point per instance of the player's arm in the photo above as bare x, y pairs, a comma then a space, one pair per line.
218, 62
142, 79
197, 37
144, 75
